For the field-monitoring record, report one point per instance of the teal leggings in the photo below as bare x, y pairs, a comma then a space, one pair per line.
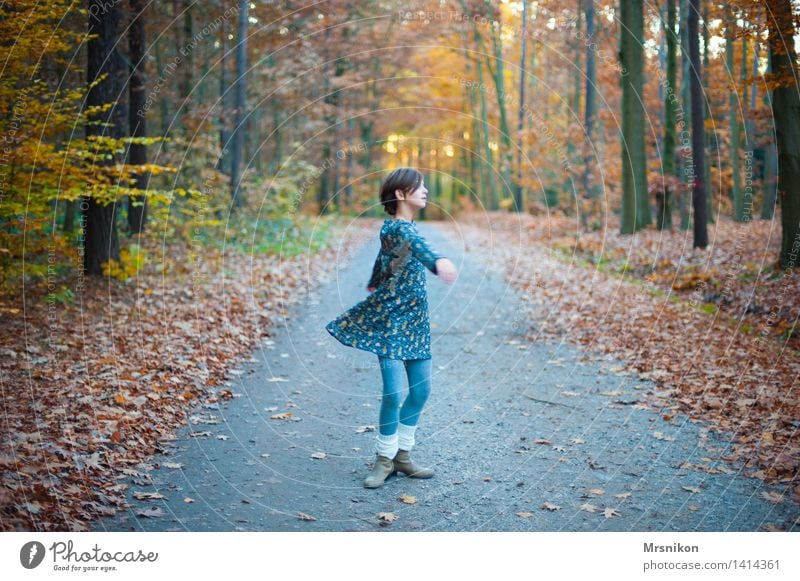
419, 387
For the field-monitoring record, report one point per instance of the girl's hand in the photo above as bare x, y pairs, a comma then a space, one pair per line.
446, 270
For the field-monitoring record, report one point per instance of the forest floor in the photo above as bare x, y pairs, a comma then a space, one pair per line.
566, 397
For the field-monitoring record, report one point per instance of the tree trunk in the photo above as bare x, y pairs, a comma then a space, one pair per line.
223, 163
686, 109
241, 91
698, 131
786, 112
707, 115
733, 122
102, 243
137, 153
589, 105
635, 202
770, 180
187, 64
519, 204
664, 221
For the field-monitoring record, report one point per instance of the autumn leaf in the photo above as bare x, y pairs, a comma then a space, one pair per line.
152, 512
148, 496
387, 517
407, 499
661, 436
542, 441
304, 516
525, 514
773, 497
609, 512
188, 500
692, 489
319, 455
550, 506
173, 465
589, 507
622, 495
597, 491
283, 416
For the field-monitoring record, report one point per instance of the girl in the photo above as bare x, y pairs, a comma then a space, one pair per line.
393, 322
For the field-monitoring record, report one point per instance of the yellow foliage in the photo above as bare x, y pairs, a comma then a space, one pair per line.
131, 261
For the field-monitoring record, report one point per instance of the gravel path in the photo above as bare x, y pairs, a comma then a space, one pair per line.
522, 436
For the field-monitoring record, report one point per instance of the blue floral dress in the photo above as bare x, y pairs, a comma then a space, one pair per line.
393, 321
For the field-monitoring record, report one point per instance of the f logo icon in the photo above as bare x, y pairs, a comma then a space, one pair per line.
31, 554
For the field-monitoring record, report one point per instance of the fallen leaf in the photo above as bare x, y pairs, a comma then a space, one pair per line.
597, 491
173, 465
661, 436
319, 455
277, 379
693, 507
405, 498
589, 507
524, 514
609, 512
188, 500
387, 517
283, 416
148, 496
577, 441
622, 495
152, 512
363, 429
774, 527
542, 441
773, 497
692, 489
550, 506
304, 516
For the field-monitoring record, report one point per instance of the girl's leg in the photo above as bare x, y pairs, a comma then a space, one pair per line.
392, 374
419, 388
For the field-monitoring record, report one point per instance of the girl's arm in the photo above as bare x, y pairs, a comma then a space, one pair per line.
420, 248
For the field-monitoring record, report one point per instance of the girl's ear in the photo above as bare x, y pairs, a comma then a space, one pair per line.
396, 194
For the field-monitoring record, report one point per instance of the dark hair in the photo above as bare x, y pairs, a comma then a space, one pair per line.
405, 179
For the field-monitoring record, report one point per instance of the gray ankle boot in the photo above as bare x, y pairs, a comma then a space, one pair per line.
402, 463
381, 470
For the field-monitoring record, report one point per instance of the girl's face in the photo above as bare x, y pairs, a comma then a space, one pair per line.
417, 199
